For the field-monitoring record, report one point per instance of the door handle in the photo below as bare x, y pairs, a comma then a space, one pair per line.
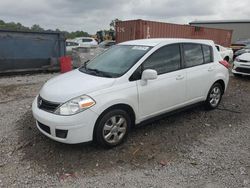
179, 77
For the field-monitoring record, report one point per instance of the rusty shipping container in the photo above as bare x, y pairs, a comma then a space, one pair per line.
142, 29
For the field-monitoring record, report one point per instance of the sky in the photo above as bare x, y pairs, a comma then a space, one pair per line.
93, 15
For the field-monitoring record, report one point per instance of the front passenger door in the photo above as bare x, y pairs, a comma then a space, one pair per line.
166, 92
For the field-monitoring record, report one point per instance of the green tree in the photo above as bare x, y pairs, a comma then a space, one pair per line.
113, 22
36, 27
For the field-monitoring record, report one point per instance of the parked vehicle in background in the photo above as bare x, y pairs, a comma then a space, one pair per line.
246, 49
240, 44
128, 84
86, 41
70, 45
107, 44
241, 65
226, 53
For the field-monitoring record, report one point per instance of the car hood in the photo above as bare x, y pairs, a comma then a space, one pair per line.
242, 51
245, 57
73, 84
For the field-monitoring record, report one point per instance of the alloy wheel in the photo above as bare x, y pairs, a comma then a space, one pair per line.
214, 97
115, 129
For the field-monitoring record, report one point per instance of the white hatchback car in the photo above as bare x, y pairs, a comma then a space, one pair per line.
241, 65
86, 41
129, 83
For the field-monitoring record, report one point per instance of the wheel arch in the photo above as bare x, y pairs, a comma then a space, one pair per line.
227, 58
222, 83
121, 106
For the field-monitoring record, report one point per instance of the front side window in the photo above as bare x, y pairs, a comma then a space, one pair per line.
193, 55
115, 61
165, 59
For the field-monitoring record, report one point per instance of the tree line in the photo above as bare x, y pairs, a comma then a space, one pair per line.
37, 28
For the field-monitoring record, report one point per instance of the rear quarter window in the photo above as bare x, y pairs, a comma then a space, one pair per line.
208, 53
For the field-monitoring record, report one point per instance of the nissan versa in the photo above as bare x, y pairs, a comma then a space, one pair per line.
127, 84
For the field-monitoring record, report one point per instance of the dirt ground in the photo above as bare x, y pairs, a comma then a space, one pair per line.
194, 148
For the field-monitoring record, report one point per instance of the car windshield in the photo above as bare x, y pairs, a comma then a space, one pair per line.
115, 61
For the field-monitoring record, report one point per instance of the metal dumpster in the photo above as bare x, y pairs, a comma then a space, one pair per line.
29, 51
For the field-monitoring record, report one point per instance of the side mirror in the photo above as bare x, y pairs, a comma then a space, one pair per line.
149, 74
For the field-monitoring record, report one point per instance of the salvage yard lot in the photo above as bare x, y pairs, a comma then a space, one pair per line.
194, 148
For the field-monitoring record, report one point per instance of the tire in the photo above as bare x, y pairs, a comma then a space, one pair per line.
214, 96
237, 75
112, 129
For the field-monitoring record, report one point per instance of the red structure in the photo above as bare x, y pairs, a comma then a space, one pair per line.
65, 64
141, 29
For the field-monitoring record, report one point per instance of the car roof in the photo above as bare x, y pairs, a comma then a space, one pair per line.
156, 41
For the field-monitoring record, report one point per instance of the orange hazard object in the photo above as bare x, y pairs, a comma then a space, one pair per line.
65, 63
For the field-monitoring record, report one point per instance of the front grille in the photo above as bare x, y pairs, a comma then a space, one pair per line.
44, 127
61, 133
47, 105
243, 61
243, 70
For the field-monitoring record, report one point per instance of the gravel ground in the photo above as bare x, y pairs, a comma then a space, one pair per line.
195, 148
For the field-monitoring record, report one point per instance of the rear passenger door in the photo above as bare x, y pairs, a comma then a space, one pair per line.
168, 90
198, 62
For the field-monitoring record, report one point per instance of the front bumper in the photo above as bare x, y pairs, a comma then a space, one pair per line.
76, 128
241, 68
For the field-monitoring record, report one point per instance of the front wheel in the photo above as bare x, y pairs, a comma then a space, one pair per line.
113, 127
214, 96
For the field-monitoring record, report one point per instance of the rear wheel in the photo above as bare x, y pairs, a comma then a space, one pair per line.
113, 127
214, 96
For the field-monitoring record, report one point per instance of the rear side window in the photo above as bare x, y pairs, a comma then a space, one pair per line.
208, 53
71, 44
165, 59
86, 40
193, 55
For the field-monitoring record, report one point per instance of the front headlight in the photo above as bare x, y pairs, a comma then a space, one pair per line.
237, 59
75, 105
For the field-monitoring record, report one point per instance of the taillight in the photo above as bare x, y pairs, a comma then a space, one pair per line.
225, 64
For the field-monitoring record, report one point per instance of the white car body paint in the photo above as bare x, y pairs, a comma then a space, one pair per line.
241, 64
148, 99
225, 52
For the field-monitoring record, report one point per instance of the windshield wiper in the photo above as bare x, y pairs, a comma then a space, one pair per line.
98, 72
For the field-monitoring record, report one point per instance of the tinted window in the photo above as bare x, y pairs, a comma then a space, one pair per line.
86, 40
164, 60
71, 44
192, 54
208, 55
